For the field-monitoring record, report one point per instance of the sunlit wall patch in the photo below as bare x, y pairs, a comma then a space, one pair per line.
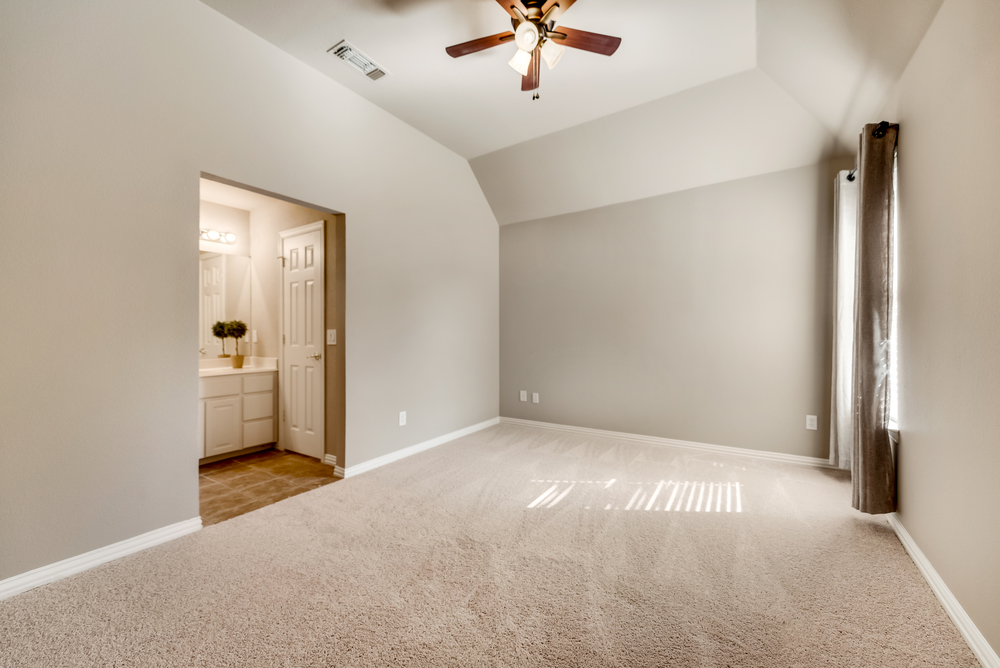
679, 496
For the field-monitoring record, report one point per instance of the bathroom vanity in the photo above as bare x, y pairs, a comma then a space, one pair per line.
238, 407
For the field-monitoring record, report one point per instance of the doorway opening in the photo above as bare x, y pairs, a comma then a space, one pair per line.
271, 348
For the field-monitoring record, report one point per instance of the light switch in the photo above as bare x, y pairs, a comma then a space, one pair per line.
534, 397
402, 418
811, 422
331, 337
524, 395
255, 336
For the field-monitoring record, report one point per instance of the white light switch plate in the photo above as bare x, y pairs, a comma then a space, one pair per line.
811, 422
402, 418
524, 395
331, 337
534, 397
255, 336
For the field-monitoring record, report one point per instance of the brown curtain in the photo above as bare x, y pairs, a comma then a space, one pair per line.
873, 470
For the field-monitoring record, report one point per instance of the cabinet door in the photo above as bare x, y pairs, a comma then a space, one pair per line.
223, 425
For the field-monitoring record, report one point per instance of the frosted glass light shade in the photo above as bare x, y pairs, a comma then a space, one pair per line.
520, 62
552, 53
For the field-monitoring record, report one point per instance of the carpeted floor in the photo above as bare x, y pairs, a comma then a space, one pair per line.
500, 549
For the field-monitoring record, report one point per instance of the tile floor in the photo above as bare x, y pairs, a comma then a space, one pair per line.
232, 487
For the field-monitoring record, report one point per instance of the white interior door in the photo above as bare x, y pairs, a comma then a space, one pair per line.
303, 367
213, 302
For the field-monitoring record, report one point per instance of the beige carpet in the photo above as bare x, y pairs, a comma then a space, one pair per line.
438, 560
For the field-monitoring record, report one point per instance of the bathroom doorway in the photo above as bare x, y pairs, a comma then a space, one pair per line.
271, 425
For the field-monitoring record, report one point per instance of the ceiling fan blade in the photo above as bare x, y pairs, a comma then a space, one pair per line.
588, 41
552, 13
506, 4
530, 80
465, 48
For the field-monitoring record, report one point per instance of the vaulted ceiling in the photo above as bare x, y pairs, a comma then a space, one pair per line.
700, 92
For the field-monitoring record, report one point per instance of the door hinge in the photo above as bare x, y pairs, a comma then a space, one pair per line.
282, 339
284, 416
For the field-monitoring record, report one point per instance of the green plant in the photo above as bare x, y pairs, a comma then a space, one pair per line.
220, 331
236, 329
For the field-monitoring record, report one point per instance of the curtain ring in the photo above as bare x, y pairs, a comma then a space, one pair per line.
880, 131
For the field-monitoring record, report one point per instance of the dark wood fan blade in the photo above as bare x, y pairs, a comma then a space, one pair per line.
530, 80
465, 48
558, 11
588, 41
517, 3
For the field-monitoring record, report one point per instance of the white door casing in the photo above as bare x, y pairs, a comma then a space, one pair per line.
302, 384
213, 302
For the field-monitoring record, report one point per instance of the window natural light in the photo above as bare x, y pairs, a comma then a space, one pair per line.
664, 495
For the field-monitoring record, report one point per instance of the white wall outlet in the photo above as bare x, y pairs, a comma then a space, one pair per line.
331, 337
534, 397
255, 336
524, 395
402, 418
811, 422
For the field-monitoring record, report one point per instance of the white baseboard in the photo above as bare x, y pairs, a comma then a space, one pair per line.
414, 449
66, 567
674, 443
331, 460
977, 643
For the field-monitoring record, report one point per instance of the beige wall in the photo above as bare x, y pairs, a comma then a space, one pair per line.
702, 315
110, 111
266, 222
947, 106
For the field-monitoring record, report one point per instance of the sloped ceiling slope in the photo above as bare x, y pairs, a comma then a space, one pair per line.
701, 91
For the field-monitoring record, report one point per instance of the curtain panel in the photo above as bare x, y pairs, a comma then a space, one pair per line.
873, 470
845, 226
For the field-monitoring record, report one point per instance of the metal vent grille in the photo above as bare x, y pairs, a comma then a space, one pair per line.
359, 61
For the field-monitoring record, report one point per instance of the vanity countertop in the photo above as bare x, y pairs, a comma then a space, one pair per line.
229, 371
223, 367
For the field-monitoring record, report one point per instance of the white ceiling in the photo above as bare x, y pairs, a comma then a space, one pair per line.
700, 92
474, 104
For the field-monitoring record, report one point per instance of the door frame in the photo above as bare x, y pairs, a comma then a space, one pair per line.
319, 226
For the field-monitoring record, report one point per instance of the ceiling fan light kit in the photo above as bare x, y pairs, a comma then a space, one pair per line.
537, 39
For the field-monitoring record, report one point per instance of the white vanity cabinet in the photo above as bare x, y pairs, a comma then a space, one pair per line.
237, 411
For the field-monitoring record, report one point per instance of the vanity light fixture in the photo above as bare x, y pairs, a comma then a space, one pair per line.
218, 237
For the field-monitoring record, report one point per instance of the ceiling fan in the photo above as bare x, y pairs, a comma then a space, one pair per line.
537, 39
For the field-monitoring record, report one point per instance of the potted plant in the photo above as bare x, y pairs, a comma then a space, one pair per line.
236, 329
219, 332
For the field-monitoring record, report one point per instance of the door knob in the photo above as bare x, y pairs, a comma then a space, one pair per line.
315, 356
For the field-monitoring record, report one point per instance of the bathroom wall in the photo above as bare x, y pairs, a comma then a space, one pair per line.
212, 216
266, 222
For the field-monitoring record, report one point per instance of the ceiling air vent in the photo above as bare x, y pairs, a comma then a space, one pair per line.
359, 61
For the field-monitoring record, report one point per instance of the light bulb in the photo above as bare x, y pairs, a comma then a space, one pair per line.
552, 52
520, 62
230, 238
213, 235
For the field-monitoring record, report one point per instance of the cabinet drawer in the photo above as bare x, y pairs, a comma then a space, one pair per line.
258, 383
218, 387
258, 433
258, 406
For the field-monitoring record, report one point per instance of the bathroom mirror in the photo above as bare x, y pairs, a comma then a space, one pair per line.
225, 295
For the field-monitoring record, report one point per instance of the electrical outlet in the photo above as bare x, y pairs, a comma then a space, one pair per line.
811, 422
534, 397
331, 337
402, 418
524, 395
